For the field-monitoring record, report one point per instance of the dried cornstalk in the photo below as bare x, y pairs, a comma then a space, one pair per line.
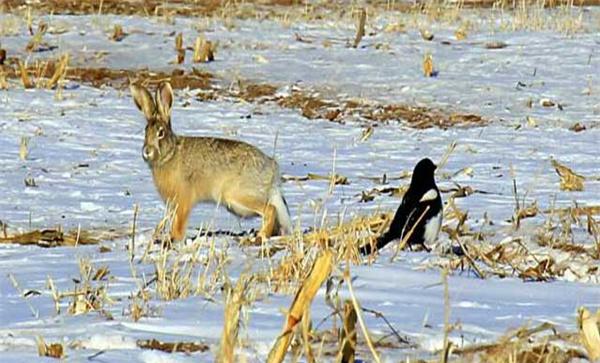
306, 327
24, 148
36, 39
24, 75
426, 35
428, 65
233, 307
359, 317
360, 30
3, 82
179, 41
348, 336
589, 332
447, 345
569, 180
318, 274
179, 48
59, 72
118, 33
54, 350
203, 51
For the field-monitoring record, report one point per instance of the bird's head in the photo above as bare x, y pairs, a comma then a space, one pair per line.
425, 166
423, 172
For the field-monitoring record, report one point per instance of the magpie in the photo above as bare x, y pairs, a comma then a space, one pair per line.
421, 208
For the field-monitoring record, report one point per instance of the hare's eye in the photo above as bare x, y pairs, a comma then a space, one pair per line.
160, 133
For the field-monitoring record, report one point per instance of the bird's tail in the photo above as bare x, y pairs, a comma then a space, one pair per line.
381, 242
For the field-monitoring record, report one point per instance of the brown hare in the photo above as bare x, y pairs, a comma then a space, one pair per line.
188, 170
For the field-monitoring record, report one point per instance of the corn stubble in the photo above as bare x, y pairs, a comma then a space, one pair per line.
52, 350
204, 50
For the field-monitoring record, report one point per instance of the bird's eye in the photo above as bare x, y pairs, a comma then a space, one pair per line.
160, 133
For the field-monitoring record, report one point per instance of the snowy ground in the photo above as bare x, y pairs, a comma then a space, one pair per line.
85, 159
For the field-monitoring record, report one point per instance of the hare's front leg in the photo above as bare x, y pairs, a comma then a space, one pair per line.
182, 213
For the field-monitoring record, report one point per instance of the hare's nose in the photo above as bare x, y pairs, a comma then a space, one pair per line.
147, 153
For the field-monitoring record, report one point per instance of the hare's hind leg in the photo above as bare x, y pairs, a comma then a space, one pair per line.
269, 218
180, 221
247, 205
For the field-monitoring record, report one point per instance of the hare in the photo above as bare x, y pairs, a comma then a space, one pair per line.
189, 170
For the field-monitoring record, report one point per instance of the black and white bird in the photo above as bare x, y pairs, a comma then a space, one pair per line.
421, 206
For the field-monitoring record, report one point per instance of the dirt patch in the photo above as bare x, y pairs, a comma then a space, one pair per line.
255, 92
313, 106
310, 104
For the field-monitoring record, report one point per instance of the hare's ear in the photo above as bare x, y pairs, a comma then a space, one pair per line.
143, 100
164, 100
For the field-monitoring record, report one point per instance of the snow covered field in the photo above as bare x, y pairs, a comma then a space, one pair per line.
85, 158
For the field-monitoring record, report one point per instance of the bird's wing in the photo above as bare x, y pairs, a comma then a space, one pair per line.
411, 209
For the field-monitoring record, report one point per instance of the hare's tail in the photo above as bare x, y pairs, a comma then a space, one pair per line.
283, 213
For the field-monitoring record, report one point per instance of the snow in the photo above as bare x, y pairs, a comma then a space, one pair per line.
85, 156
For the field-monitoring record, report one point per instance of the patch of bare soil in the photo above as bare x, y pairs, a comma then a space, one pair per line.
310, 104
313, 106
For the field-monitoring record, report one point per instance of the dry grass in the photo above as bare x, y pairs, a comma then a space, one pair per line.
527, 345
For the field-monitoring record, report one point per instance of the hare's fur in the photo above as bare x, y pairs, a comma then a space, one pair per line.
188, 170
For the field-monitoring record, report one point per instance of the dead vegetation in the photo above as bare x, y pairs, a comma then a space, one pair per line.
569, 180
53, 350
303, 262
59, 238
241, 10
542, 343
172, 347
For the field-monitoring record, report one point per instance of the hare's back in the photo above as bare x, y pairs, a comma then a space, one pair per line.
226, 154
